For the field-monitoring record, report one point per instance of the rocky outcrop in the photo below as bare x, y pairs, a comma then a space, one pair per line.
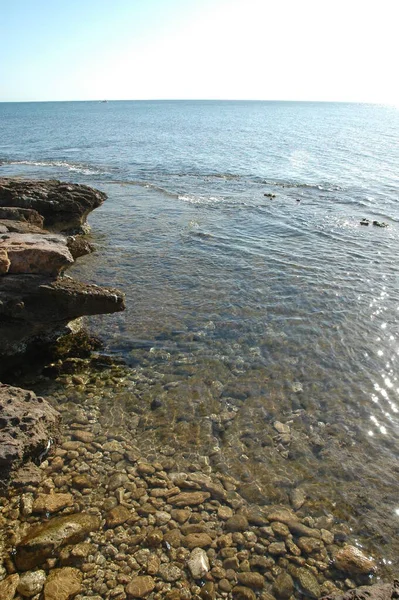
37, 301
63, 206
27, 425
36, 308
378, 591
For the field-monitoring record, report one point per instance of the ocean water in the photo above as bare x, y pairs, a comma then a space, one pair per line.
243, 308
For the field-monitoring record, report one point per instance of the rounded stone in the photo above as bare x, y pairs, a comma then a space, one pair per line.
198, 563
140, 586
283, 586
352, 560
237, 523
31, 583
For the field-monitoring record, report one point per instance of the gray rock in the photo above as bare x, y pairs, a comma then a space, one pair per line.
307, 583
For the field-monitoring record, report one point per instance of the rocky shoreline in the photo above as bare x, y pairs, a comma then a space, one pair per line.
86, 514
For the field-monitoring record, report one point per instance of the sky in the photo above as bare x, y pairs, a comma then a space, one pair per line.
320, 50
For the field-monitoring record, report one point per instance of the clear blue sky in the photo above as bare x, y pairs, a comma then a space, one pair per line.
230, 49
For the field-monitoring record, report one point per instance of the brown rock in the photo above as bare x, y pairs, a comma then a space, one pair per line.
378, 591
243, 593
197, 540
52, 503
118, 515
173, 538
64, 206
63, 584
189, 498
83, 436
4, 261
25, 215
180, 515
237, 523
45, 540
140, 587
45, 254
309, 544
208, 591
352, 560
254, 581
8, 587
27, 423
283, 586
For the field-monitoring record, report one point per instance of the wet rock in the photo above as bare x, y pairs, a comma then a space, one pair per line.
46, 254
180, 515
64, 206
63, 584
216, 490
27, 423
378, 591
198, 563
254, 581
118, 480
140, 587
83, 436
208, 591
189, 498
117, 516
297, 498
51, 503
237, 523
283, 586
28, 474
351, 560
31, 583
45, 540
277, 549
79, 246
307, 583
169, 572
309, 544
243, 593
197, 540
8, 587
36, 307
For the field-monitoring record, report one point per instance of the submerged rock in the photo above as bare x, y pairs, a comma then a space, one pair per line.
45, 540
352, 560
63, 584
378, 591
8, 587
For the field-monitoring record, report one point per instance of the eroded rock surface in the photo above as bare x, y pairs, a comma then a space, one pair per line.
64, 206
27, 423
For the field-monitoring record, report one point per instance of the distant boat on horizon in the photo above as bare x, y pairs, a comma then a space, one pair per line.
102, 101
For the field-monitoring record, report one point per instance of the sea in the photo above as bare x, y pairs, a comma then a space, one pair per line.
261, 331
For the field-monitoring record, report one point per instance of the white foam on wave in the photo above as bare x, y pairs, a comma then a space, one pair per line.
200, 199
60, 164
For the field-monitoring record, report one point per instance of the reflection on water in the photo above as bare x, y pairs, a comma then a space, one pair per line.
262, 338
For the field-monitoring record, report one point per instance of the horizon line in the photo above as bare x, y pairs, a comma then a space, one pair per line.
106, 100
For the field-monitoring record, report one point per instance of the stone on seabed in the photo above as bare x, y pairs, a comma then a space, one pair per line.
45, 540
352, 560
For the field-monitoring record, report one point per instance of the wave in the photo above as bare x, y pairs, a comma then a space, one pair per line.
59, 164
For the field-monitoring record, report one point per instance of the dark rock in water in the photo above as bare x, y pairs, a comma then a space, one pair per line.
269, 195
64, 206
365, 222
27, 424
378, 591
34, 306
380, 224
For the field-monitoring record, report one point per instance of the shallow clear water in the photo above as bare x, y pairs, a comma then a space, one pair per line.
279, 308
